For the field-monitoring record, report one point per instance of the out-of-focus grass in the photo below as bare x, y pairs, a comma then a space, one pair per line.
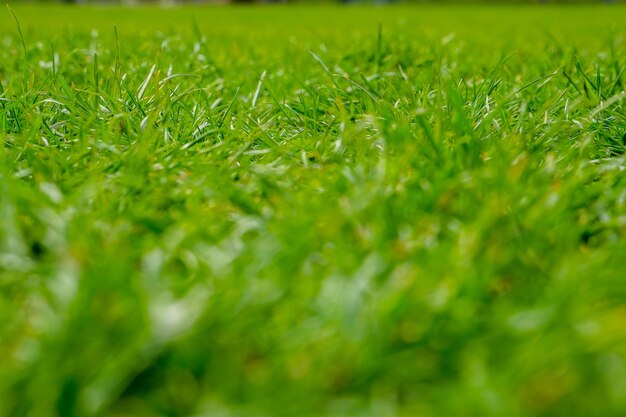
312, 212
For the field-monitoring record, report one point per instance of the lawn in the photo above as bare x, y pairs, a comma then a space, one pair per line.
312, 211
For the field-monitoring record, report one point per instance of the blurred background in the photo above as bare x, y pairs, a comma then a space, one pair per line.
176, 2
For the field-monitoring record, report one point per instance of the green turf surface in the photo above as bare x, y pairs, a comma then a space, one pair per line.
312, 212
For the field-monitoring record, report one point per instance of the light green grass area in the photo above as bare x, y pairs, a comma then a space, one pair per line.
274, 211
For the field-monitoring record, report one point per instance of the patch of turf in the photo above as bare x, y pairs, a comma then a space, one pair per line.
312, 212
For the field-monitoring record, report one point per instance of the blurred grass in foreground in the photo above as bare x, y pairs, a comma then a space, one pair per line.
312, 211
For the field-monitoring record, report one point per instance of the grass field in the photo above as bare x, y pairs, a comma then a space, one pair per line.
273, 211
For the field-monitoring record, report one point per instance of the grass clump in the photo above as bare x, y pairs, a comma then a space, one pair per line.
312, 211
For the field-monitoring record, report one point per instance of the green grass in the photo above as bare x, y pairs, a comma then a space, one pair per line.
312, 212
